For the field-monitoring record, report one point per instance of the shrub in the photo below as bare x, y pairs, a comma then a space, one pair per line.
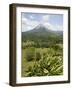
57, 47
37, 55
28, 44
48, 66
49, 62
30, 54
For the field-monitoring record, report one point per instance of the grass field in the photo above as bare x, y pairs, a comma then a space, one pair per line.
42, 61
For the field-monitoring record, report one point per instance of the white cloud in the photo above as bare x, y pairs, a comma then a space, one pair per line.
28, 24
24, 19
45, 18
53, 27
59, 27
31, 17
47, 24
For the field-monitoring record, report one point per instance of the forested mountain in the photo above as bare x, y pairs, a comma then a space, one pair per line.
42, 34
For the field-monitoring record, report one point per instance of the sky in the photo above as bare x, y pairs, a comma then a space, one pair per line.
50, 21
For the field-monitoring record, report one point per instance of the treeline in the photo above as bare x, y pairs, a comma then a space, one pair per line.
43, 38
40, 44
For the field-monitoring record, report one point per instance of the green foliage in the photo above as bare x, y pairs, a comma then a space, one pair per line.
30, 54
28, 44
49, 66
37, 56
46, 62
57, 47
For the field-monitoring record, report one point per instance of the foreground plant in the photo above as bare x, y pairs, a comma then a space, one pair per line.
47, 66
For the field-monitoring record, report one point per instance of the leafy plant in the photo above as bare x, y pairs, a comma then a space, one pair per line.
30, 54
49, 65
37, 56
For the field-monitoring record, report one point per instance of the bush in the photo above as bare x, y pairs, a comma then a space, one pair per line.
47, 61
57, 47
38, 56
28, 44
30, 54
48, 66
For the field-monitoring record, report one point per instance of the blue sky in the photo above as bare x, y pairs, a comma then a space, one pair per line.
50, 21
